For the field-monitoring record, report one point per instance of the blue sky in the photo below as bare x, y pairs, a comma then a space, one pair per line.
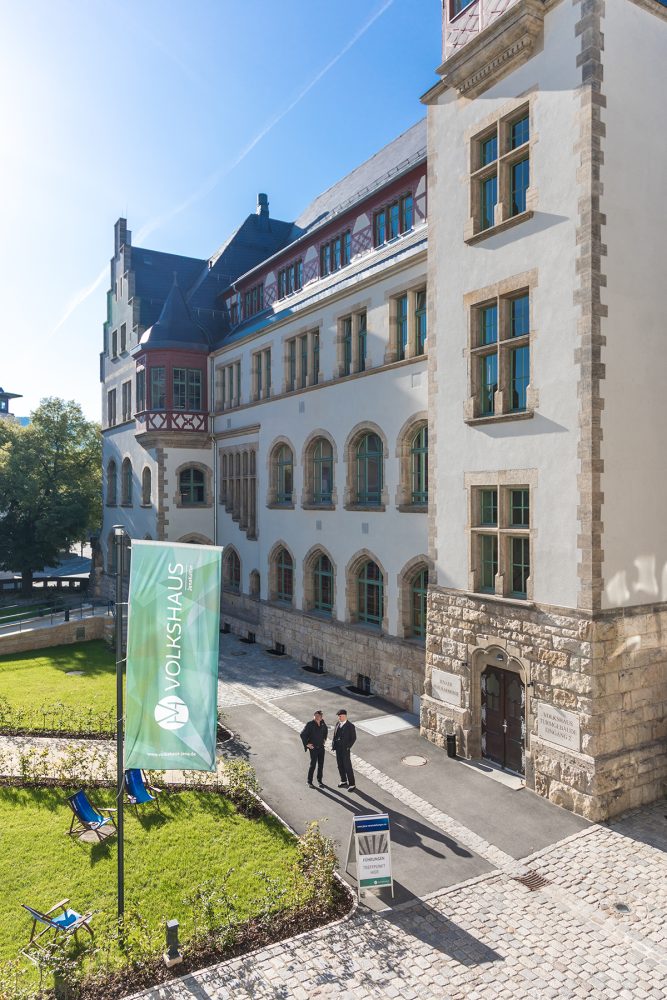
175, 115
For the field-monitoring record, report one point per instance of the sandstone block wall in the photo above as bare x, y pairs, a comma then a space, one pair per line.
56, 635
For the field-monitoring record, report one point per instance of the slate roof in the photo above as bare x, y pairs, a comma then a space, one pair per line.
154, 276
175, 326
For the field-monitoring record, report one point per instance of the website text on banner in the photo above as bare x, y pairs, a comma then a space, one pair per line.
172, 656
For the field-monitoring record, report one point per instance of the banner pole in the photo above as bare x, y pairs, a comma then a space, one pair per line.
119, 533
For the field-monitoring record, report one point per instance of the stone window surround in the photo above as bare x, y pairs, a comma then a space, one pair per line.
258, 358
195, 538
392, 352
308, 488
308, 602
403, 453
126, 483
501, 120
353, 309
350, 452
208, 486
506, 289
272, 474
502, 480
221, 380
226, 559
238, 485
404, 581
352, 571
312, 378
276, 548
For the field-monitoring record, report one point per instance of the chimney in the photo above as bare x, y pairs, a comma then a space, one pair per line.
263, 211
122, 236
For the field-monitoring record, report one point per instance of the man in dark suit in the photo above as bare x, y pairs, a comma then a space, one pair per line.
313, 737
344, 738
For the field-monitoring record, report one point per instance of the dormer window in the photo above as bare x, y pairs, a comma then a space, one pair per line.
253, 301
290, 279
394, 219
335, 253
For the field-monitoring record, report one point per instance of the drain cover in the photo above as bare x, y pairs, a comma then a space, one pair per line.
532, 881
414, 760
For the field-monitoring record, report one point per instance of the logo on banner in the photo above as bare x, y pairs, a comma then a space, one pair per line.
171, 713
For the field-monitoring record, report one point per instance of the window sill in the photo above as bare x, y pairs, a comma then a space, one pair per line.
365, 507
518, 602
501, 227
126, 503
280, 506
496, 418
309, 505
413, 508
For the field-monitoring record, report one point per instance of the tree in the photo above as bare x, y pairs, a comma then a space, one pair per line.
50, 486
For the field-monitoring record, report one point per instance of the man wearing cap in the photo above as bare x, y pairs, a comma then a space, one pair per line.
313, 737
343, 740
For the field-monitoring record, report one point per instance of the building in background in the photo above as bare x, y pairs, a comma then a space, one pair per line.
4, 404
272, 399
546, 648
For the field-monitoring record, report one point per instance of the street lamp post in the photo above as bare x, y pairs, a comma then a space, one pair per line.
119, 536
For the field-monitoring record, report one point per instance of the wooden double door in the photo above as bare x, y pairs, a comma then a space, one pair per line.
503, 718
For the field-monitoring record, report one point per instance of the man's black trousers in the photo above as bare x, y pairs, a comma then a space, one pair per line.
344, 764
316, 759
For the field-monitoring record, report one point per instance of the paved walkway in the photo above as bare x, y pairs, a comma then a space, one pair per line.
595, 927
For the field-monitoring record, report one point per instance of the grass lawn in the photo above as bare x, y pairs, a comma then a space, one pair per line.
199, 836
39, 677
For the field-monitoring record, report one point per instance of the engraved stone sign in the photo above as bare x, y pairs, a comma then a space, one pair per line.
559, 727
446, 687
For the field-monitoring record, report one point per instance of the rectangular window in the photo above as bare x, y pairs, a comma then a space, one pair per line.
325, 260
519, 378
379, 228
361, 340
488, 515
519, 186
179, 388
459, 5
420, 322
488, 323
519, 566
500, 542
500, 173
253, 301
489, 150
316, 358
267, 371
123, 337
111, 408
114, 344
519, 508
126, 400
401, 326
489, 383
303, 368
141, 390
258, 376
158, 389
394, 220
407, 213
520, 316
291, 366
347, 247
488, 201
347, 345
500, 356
237, 366
336, 255
488, 563
519, 132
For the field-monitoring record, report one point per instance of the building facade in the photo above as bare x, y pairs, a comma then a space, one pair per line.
546, 645
282, 399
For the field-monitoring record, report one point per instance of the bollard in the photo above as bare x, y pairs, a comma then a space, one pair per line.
173, 955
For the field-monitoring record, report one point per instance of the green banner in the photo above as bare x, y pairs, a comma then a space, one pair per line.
172, 656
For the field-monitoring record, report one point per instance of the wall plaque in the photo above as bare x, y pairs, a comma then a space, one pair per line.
559, 727
446, 687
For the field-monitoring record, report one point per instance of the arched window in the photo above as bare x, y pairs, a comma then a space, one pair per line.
284, 474
323, 580
191, 487
146, 487
418, 591
284, 576
323, 471
112, 484
231, 571
419, 466
370, 594
126, 482
369, 470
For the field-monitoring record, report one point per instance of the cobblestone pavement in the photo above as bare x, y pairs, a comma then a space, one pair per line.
595, 927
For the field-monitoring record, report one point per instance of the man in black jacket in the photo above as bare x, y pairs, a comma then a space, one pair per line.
344, 738
313, 737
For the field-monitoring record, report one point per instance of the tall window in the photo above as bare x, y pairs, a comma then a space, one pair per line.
262, 374
111, 408
419, 466
353, 343
291, 365
362, 340
420, 321
323, 585
284, 474
187, 389
290, 278
500, 165
408, 325
500, 356
418, 594
302, 361
501, 540
284, 576
191, 484
402, 326
112, 484
347, 344
253, 301
232, 571
126, 399
158, 384
141, 389
369, 460
126, 482
370, 594
335, 253
322, 472
393, 219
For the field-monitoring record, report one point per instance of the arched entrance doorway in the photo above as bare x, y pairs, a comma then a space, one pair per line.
503, 718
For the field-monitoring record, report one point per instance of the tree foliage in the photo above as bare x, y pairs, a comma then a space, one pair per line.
50, 486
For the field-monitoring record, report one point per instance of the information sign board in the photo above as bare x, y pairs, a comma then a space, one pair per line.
370, 848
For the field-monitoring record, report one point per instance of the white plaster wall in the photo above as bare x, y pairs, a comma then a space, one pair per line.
186, 520
387, 398
634, 481
548, 442
119, 443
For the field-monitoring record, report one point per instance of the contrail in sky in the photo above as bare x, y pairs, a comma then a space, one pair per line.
214, 179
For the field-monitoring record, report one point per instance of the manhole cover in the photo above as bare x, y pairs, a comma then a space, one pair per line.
414, 760
74, 673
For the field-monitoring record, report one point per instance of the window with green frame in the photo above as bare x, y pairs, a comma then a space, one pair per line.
370, 594
323, 579
322, 471
284, 474
488, 562
362, 340
158, 386
369, 461
519, 565
501, 539
419, 466
401, 326
418, 594
488, 508
284, 576
420, 322
191, 486
347, 345
126, 482
520, 508
187, 389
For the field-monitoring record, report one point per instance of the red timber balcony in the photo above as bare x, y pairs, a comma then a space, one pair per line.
182, 426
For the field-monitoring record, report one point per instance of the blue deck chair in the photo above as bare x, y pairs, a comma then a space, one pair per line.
68, 922
86, 816
138, 790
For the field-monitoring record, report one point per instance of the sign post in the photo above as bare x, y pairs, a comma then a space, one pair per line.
370, 850
119, 537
